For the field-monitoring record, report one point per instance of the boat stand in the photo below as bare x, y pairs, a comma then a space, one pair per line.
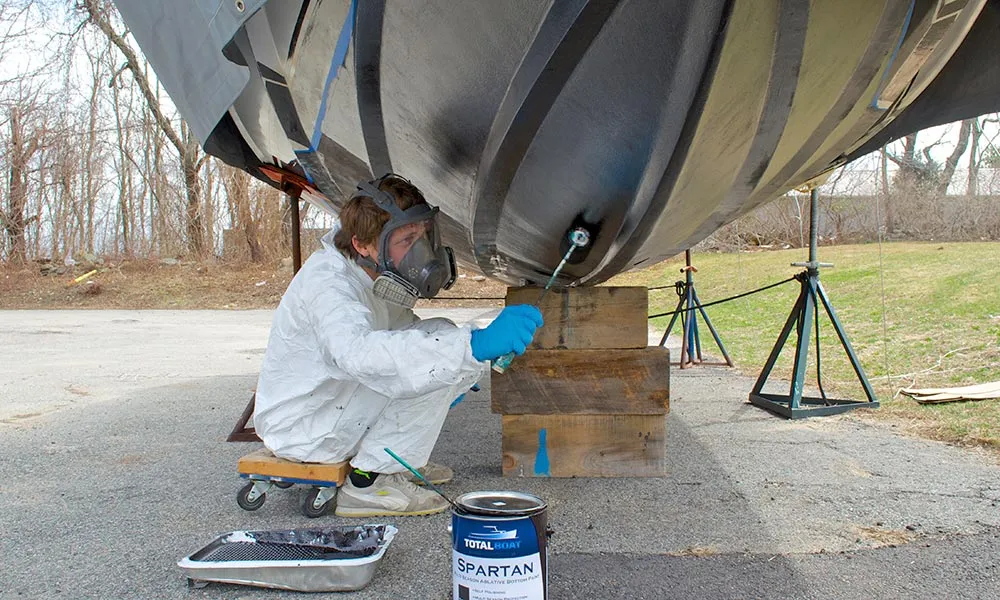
292, 185
688, 308
795, 405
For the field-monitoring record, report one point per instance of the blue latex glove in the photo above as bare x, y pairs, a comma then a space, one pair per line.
511, 331
475, 388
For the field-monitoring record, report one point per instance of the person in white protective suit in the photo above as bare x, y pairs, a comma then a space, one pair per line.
350, 370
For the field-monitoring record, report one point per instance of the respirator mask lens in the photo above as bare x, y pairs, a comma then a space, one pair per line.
427, 265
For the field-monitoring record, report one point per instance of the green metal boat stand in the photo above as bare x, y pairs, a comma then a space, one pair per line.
688, 308
795, 405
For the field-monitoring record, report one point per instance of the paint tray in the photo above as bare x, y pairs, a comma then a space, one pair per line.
318, 559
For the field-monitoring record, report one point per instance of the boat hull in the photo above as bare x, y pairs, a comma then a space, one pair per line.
649, 122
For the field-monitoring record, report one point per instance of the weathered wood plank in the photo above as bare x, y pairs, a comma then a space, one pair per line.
262, 462
589, 317
584, 445
585, 382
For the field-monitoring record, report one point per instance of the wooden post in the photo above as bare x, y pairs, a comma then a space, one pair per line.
589, 399
293, 203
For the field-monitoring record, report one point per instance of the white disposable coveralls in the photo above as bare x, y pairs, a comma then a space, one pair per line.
346, 374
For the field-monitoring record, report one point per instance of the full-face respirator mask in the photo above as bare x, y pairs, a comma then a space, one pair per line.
427, 267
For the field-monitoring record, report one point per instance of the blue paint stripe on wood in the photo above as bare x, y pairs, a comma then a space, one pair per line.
542, 456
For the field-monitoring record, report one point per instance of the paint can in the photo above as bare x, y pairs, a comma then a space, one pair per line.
499, 547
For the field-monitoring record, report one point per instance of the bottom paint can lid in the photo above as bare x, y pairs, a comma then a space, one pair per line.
501, 504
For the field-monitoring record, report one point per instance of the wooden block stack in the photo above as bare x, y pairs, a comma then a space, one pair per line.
589, 399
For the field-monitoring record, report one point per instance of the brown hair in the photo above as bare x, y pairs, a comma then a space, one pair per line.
361, 218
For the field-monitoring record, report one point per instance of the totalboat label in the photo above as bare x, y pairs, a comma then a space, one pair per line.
497, 558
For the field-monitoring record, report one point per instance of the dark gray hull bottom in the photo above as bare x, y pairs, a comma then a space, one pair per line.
650, 122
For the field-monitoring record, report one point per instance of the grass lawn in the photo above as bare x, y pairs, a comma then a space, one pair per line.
941, 328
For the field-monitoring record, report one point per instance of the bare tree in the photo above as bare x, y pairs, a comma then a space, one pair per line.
91, 181
124, 167
237, 185
951, 163
27, 130
889, 214
989, 158
65, 175
100, 14
915, 172
14, 21
972, 189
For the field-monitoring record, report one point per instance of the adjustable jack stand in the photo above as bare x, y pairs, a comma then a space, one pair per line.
688, 308
806, 311
293, 185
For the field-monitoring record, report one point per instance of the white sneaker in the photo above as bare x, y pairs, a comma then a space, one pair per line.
433, 472
389, 496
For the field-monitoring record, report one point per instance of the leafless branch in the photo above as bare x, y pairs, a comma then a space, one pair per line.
98, 15
114, 77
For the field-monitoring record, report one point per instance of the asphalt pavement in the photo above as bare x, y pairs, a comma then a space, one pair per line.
114, 466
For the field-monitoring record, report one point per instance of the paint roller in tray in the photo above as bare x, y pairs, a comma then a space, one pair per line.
578, 238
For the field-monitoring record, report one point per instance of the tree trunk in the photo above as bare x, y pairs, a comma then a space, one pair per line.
43, 200
124, 177
56, 209
238, 193
91, 170
157, 227
886, 193
907, 183
952, 163
194, 226
910, 148
67, 184
972, 189
79, 210
22, 146
210, 207
17, 191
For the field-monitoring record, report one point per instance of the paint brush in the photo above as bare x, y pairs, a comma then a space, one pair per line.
456, 507
578, 238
